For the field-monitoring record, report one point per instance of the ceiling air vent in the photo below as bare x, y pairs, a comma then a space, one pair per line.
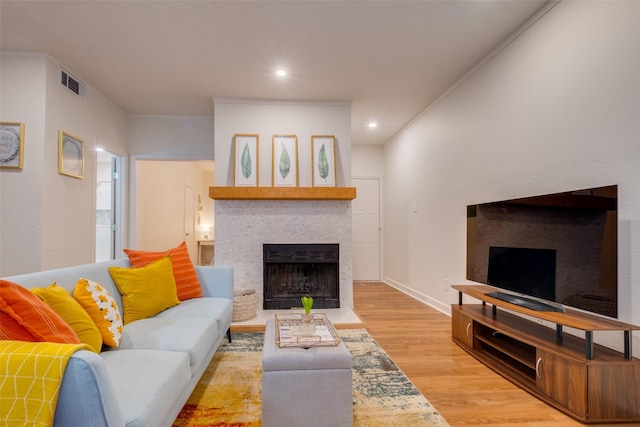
72, 83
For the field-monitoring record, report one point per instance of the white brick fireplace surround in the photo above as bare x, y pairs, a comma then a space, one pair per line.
243, 226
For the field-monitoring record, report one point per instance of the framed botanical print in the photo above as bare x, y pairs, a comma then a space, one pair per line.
245, 160
284, 161
323, 160
11, 145
70, 155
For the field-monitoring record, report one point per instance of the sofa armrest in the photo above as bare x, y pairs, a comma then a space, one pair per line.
87, 394
216, 280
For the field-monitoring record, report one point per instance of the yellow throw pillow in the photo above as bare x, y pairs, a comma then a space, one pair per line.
71, 312
187, 283
102, 309
146, 291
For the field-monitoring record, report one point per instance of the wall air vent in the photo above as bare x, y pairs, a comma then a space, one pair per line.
71, 83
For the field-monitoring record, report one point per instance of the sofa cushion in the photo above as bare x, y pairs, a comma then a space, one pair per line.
146, 290
220, 309
147, 383
71, 312
102, 309
24, 317
187, 281
192, 335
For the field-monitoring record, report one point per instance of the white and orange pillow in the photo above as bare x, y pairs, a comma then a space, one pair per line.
102, 309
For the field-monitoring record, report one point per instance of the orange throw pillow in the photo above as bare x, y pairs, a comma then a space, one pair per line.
24, 317
187, 283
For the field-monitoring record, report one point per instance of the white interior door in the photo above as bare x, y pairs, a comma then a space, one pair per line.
365, 211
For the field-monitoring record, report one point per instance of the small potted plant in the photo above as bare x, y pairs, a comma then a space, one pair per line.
307, 303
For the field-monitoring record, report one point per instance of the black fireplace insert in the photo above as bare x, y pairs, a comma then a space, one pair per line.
292, 271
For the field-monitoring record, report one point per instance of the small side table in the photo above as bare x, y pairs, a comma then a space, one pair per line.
203, 246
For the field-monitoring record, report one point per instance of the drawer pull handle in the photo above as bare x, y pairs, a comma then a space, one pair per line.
538, 371
467, 332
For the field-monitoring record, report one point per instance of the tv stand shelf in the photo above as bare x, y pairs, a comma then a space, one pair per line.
570, 318
589, 382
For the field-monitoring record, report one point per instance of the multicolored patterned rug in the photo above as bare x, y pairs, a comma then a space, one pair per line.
229, 392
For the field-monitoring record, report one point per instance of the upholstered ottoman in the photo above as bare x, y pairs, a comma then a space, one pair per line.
305, 387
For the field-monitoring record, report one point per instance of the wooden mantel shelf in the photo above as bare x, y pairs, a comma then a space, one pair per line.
282, 193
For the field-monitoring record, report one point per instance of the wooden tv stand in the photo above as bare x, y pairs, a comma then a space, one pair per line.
589, 382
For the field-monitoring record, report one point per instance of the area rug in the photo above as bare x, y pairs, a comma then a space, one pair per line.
229, 392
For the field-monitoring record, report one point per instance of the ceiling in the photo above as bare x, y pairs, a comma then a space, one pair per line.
390, 59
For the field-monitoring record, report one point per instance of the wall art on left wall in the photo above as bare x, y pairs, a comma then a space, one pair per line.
70, 155
11, 145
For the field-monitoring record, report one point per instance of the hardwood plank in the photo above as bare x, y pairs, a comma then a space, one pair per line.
466, 393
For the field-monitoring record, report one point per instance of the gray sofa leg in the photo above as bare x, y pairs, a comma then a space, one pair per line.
229, 334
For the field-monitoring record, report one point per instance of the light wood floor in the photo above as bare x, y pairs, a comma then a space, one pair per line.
464, 391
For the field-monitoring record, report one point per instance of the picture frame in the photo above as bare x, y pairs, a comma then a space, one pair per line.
323, 160
70, 155
284, 161
11, 145
246, 165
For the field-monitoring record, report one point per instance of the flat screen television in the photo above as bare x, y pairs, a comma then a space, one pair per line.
549, 251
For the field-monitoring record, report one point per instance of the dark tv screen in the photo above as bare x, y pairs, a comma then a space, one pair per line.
523, 270
559, 247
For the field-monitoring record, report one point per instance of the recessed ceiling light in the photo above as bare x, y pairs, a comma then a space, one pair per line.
281, 73
373, 125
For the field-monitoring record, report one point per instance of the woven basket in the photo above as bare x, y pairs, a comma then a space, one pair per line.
245, 307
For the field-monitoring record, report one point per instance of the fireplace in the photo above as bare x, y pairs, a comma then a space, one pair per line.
291, 271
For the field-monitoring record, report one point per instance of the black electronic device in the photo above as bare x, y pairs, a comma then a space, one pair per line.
558, 249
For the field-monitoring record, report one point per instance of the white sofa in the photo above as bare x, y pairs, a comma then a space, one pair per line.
148, 379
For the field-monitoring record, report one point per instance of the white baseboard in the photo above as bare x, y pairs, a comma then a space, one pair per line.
425, 299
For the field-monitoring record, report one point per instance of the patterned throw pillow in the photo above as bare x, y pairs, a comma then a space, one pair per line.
146, 291
24, 317
102, 309
184, 273
60, 301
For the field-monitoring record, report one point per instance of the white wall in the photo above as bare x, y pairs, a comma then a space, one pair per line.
273, 118
23, 83
171, 137
48, 219
558, 109
367, 161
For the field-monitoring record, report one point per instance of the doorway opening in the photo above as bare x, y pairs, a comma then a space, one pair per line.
108, 206
171, 204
